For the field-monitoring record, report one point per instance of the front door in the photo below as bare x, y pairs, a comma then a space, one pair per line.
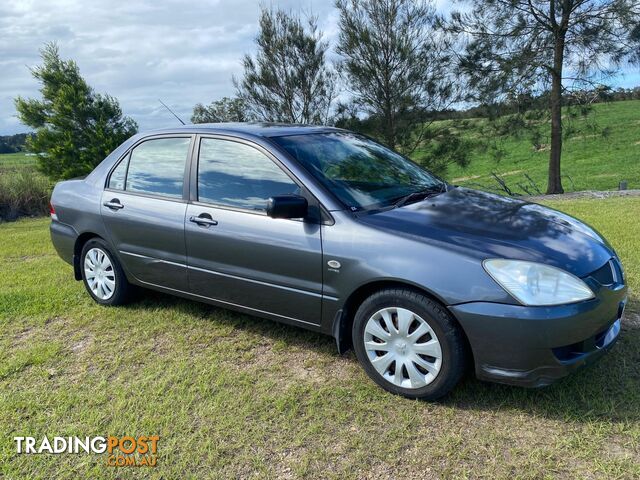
236, 253
143, 208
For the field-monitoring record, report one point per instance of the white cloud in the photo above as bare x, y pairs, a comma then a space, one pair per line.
137, 51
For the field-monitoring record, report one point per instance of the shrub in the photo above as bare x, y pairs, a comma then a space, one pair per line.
23, 194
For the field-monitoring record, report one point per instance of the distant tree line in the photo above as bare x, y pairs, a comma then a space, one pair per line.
13, 143
618, 94
528, 102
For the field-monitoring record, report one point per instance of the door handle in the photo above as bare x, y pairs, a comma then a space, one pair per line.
204, 221
114, 204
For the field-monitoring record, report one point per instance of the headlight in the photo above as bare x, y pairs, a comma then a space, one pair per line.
536, 284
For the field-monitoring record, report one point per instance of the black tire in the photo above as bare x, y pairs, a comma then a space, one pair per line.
123, 289
449, 335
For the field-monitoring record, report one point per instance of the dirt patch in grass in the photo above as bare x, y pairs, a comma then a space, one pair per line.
584, 194
475, 177
464, 179
24, 258
161, 344
631, 320
621, 447
287, 367
22, 337
80, 347
55, 321
585, 137
512, 172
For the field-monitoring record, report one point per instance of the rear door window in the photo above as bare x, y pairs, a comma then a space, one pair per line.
157, 167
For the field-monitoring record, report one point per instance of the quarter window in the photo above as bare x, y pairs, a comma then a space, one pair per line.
157, 167
238, 175
118, 176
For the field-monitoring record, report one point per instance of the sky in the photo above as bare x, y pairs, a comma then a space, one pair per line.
140, 51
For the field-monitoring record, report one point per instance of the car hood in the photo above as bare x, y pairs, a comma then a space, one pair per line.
492, 226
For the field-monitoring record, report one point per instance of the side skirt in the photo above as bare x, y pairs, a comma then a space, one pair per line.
232, 306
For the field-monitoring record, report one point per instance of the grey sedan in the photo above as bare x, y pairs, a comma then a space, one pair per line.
328, 230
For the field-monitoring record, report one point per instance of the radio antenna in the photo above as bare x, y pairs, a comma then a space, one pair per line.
171, 111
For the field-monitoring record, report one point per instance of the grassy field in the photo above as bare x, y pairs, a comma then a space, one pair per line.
14, 162
592, 158
233, 396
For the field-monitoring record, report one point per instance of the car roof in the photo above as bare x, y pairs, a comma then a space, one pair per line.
261, 129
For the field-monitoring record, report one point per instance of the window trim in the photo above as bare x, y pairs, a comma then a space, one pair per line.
193, 197
126, 157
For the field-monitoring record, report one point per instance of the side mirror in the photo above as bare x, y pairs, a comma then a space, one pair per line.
287, 206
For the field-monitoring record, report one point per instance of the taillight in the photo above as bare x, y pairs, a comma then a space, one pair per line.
52, 212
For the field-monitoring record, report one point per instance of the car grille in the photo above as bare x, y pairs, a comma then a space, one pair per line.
610, 273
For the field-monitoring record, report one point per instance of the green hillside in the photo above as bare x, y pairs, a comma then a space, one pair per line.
593, 158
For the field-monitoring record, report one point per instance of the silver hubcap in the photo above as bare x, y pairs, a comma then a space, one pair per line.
99, 273
402, 347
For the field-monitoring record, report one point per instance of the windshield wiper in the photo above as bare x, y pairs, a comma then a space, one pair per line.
420, 194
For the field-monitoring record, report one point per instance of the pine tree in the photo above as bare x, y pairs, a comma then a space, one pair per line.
75, 128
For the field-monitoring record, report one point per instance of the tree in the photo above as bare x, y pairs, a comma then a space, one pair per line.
395, 63
515, 46
289, 79
75, 128
224, 110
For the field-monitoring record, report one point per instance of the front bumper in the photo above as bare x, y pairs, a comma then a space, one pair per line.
534, 346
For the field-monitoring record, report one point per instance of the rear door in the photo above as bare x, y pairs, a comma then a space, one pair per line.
236, 253
143, 208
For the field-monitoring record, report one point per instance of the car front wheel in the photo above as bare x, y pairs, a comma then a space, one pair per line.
409, 344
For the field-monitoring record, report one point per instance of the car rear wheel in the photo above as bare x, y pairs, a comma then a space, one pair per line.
409, 344
102, 274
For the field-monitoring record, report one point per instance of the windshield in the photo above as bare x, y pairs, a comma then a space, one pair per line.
360, 172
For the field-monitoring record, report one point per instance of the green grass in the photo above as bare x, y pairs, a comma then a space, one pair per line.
591, 160
618, 220
233, 396
14, 162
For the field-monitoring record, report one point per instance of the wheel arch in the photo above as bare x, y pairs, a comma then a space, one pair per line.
343, 320
80, 242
